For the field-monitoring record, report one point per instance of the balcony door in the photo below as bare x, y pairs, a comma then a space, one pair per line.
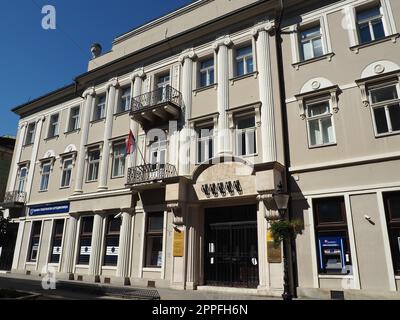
158, 157
21, 180
162, 83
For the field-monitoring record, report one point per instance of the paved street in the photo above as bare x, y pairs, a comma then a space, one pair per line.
73, 290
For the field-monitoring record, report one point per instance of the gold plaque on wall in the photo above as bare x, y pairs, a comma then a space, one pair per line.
179, 243
274, 252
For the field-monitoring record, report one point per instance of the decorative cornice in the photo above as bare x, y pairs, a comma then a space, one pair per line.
41, 118
23, 124
138, 73
89, 92
112, 83
268, 26
187, 54
222, 41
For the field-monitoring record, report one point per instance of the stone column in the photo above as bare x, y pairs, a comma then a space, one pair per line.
18, 244
17, 156
106, 155
95, 256
192, 248
268, 132
124, 246
186, 59
137, 83
224, 144
69, 250
38, 132
262, 226
89, 97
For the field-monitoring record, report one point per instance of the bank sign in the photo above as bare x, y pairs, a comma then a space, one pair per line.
50, 208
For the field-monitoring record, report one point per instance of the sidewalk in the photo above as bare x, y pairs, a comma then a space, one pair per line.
82, 290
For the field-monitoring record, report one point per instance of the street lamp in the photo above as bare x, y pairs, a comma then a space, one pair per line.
282, 200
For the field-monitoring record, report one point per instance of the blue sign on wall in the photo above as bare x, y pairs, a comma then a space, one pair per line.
50, 208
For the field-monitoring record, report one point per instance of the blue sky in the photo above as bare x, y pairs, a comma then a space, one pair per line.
34, 61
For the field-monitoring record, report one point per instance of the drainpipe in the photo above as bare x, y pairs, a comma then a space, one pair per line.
281, 80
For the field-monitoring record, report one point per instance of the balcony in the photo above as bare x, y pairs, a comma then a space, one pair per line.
14, 199
149, 173
157, 107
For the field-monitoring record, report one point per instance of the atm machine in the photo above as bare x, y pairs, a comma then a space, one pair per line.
332, 257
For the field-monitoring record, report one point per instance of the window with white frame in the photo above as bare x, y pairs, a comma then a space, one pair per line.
93, 165
100, 108
34, 241
21, 178
74, 115
66, 173
385, 104
30, 133
118, 169
319, 123
163, 81
53, 125
206, 72
370, 25
246, 135
205, 143
244, 60
125, 100
310, 42
45, 176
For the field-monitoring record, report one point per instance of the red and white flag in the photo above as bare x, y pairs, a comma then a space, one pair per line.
130, 143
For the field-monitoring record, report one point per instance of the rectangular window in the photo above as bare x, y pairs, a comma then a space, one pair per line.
30, 133
21, 179
35, 239
74, 119
392, 209
125, 100
56, 245
385, 105
319, 124
246, 136
207, 72
244, 60
100, 108
118, 169
333, 249
112, 241
53, 126
154, 240
93, 165
370, 24
205, 143
85, 240
311, 43
66, 173
45, 176
162, 85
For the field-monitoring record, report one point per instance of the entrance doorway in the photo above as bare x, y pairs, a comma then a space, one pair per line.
7, 245
231, 252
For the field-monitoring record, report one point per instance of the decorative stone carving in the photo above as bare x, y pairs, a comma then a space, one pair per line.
112, 83
316, 85
222, 41
187, 54
379, 69
138, 73
89, 92
268, 26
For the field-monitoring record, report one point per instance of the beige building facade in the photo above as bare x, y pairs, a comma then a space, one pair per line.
222, 102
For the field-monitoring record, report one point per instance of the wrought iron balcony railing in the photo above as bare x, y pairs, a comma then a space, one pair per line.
14, 198
164, 95
158, 106
150, 172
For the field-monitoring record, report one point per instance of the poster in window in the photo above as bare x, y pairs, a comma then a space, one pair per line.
159, 259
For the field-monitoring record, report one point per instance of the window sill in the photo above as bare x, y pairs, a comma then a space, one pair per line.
393, 38
52, 138
119, 177
397, 277
72, 131
151, 269
82, 266
244, 76
121, 113
53, 264
28, 145
109, 268
30, 263
322, 146
327, 56
335, 276
63, 188
97, 121
385, 135
205, 88
43, 191
92, 181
